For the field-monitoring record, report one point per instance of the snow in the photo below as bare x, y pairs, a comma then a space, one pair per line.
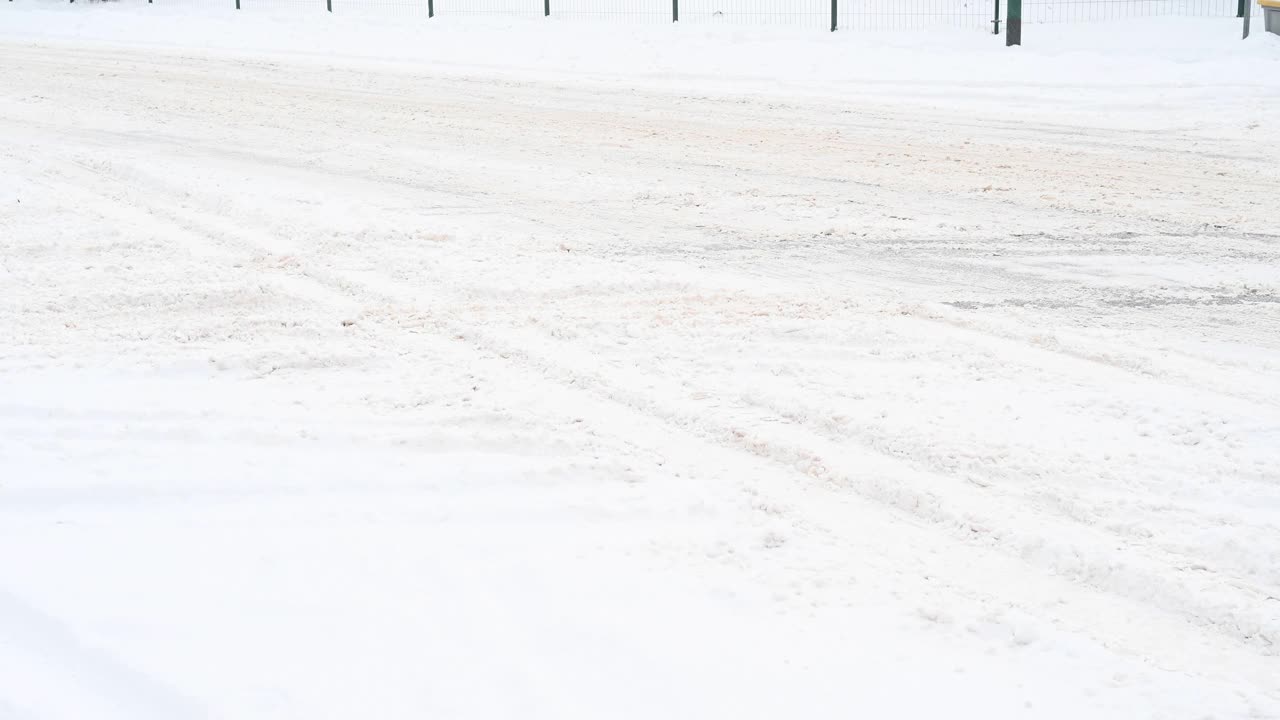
519, 368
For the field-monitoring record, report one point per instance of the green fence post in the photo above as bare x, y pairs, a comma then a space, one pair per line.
546, 8
237, 4
431, 8
1240, 8
833, 15
329, 4
675, 10
996, 21
1013, 24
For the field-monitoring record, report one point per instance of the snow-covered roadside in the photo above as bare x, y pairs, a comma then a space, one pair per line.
1100, 74
356, 386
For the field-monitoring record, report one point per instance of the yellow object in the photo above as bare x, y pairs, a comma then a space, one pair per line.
1269, 3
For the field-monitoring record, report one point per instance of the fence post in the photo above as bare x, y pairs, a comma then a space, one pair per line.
833, 15
1240, 8
1247, 14
329, 5
237, 4
675, 10
1013, 24
996, 21
431, 8
546, 8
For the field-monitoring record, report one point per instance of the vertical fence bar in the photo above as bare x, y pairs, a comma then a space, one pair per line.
996, 21
431, 8
675, 10
1242, 8
1246, 15
833, 15
1013, 24
328, 5
237, 4
546, 8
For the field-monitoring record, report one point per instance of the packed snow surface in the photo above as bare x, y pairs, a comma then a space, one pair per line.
532, 369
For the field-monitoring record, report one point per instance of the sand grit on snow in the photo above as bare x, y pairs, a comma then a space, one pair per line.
548, 370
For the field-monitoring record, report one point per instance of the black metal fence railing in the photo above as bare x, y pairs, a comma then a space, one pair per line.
989, 15
635, 11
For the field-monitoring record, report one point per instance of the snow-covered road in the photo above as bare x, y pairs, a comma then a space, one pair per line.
338, 389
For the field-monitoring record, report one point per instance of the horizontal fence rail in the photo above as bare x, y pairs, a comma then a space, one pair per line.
989, 15
1070, 11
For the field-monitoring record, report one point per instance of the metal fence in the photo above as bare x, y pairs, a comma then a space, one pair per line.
1068, 11
989, 15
